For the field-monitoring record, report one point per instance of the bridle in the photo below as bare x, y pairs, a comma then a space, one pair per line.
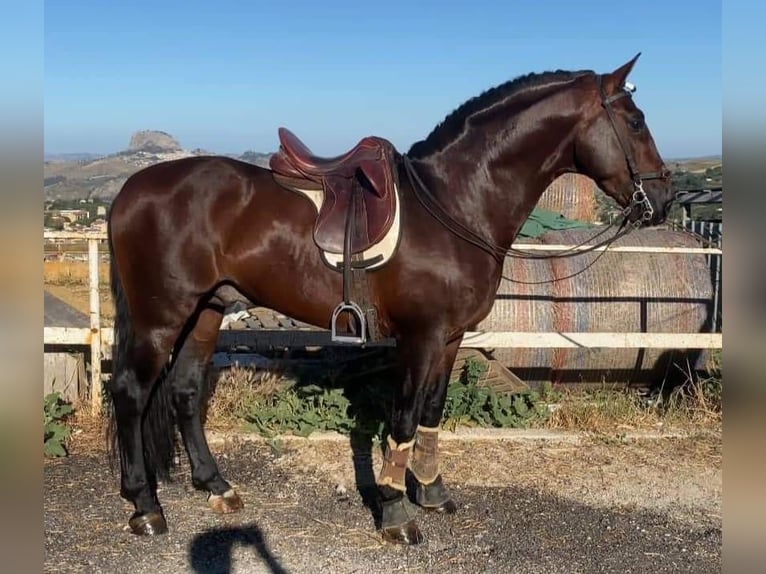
639, 195
639, 199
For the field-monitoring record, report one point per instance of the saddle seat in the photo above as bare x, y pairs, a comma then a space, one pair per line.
366, 171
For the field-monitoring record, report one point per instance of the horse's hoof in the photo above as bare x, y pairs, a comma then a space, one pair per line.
149, 524
435, 497
447, 507
408, 533
227, 503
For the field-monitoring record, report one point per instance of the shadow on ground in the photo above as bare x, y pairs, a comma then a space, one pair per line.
211, 552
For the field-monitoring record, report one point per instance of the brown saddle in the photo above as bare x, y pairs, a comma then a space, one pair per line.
362, 179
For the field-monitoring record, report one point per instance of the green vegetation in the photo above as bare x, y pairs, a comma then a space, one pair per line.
365, 408
469, 404
55, 430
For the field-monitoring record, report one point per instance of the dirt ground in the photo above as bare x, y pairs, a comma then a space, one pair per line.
526, 506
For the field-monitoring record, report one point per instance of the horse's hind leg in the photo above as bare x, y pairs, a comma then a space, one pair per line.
188, 382
428, 361
138, 367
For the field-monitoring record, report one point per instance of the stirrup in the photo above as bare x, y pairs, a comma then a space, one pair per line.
354, 309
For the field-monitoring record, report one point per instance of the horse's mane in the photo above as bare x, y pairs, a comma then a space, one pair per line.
454, 123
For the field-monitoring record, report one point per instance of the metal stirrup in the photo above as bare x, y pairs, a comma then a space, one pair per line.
354, 309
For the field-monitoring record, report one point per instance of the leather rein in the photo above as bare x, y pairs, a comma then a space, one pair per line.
638, 199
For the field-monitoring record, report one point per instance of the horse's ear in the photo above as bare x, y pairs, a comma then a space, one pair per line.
616, 79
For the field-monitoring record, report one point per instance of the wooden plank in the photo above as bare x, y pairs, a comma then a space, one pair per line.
95, 329
65, 373
520, 340
66, 335
496, 376
624, 249
100, 235
269, 319
506, 381
474, 340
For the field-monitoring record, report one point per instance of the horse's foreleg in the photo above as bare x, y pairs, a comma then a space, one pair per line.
431, 492
427, 361
188, 382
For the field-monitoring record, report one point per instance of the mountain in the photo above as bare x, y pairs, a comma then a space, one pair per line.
83, 175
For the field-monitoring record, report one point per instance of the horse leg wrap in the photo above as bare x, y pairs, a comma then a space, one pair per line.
425, 455
395, 464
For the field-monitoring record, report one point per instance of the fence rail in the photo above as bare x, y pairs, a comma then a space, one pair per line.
98, 337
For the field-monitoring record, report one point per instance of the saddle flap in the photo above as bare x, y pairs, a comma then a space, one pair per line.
330, 228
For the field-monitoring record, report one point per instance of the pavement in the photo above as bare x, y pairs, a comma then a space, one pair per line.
59, 314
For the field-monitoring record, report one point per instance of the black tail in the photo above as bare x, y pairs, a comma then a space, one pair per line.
158, 424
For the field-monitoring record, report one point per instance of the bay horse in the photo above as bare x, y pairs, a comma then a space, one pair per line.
189, 237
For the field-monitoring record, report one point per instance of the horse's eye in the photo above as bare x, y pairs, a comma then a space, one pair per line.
637, 124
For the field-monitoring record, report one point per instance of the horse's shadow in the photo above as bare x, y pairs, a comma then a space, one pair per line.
211, 552
369, 386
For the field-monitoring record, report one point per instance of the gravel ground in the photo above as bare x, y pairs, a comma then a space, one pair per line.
525, 507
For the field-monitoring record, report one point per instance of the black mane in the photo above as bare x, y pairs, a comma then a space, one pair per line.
454, 123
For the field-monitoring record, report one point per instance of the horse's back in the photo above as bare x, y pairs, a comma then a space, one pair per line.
163, 178
182, 192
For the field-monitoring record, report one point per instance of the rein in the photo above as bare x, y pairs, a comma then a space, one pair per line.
638, 199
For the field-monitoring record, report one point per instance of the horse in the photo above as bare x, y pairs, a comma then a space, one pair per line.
190, 237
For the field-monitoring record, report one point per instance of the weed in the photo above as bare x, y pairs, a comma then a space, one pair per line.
695, 403
699, 400
301, 410
471, 404
364, 407
55, 431
236, 390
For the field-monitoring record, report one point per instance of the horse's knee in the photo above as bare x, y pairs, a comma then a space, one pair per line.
187, 380
128, 395
186, 401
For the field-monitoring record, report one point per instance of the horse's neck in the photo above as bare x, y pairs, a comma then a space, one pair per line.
493, 185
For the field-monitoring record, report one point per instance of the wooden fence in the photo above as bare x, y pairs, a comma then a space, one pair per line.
97, 337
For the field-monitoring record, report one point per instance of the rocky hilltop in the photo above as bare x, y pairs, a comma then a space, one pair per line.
85, 176
153, 142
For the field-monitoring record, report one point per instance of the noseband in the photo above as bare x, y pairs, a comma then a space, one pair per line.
639, 195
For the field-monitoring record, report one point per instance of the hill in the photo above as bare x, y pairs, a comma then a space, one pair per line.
86, 176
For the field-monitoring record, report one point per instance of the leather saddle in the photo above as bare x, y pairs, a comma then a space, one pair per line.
359, 189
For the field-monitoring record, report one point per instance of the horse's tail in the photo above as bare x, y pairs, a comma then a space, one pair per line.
158, 423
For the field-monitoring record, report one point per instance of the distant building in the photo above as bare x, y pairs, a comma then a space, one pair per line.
70, 215
98, 225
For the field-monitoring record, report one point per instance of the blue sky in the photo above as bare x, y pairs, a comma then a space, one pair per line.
224, 76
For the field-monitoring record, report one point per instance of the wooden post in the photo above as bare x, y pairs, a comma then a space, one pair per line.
95, 328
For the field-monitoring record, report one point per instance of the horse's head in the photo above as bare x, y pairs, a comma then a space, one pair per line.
614, 147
